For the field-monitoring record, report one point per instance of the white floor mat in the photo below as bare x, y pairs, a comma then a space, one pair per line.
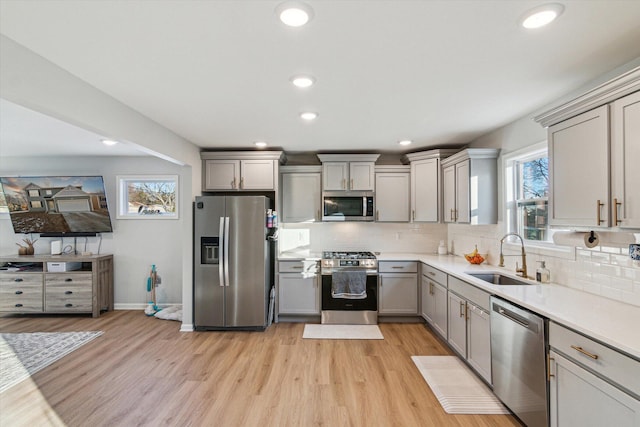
458, 390
342, 332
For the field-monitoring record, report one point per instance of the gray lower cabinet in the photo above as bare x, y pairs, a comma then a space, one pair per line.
298, 288
469, 325
398, 288
590, 384
433, 298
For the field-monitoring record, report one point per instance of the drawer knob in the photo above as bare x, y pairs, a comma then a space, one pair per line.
68, 305
18, 292
68, 292
17, 279
68, 279
18, 305
585, 352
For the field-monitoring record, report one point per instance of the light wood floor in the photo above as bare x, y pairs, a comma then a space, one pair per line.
143, 371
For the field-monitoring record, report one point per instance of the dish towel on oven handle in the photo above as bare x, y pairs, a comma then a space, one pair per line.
349, 284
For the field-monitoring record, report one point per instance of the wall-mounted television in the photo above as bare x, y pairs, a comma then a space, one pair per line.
57, 205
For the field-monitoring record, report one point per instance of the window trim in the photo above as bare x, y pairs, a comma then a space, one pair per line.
534, 246
122, 199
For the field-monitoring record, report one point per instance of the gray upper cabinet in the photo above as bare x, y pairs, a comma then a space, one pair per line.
301, 193
593, 156
392, 193
348, 172
240, 170
426, 185
470, 186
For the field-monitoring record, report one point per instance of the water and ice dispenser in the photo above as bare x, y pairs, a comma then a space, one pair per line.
209, 250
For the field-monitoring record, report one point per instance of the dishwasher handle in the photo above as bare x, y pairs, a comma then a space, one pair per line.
514, 317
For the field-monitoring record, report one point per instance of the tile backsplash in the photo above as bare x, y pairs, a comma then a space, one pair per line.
606, 271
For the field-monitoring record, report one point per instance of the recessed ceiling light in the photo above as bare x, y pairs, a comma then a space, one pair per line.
294, 13
302, 81
109, 142
260, 144
405, 142
308, 115
541, 15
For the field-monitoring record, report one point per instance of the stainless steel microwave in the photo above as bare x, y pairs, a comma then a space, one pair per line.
348, 206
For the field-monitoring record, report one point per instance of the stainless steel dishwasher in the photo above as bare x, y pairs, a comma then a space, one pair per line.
519, 361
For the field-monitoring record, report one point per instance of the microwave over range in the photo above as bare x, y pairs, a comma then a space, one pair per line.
348, 206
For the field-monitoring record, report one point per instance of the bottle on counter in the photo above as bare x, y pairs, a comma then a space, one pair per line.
442, 249
542, 273
269, 218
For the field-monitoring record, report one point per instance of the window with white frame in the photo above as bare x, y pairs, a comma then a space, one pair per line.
147, 197
526, 193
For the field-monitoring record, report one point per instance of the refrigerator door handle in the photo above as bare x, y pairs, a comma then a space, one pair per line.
226, 251
222, 257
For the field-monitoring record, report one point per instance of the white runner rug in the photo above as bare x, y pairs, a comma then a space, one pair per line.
456, 387
22, 355
342, 332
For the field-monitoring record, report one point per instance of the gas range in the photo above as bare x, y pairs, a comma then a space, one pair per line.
348, 260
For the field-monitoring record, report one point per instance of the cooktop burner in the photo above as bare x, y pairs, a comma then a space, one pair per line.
347, 255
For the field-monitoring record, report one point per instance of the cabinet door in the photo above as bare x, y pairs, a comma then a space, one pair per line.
222, 175
449, 193
335, 176
425, 202
392, 197
457, 324
479, 340
301, 197
625, 158
361, 176
463, 207
579, 170
398, 294
440, 310
427, 299
21, 292
298, 295
578, 397
257, 175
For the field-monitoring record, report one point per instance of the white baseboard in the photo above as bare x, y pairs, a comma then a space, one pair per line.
186, 327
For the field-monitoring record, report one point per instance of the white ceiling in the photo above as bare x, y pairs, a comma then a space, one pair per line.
217, 72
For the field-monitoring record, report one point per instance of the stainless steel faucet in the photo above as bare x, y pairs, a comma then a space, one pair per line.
522, 270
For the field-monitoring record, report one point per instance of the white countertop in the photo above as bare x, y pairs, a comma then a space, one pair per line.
611, 322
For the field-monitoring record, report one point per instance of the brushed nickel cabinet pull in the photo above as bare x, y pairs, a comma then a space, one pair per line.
598, 219
344, 185
430, 288
233, 183
351, 188
616, 203
461, 308
549, 374
242, 183
297, 266
397, 266
585, 352
377, 215
451, 215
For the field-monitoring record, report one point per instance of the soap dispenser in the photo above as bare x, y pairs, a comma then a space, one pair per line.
442, 248
542, 273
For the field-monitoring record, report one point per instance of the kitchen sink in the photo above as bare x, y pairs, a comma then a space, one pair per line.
499, 279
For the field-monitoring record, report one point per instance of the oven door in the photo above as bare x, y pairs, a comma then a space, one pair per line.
347, 206
370, 303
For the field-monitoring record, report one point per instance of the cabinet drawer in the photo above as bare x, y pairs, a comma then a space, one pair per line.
398, 267
469, 292
609, 363
10, 279
300, 266
63, 297
434, 274
21, 297
81, 279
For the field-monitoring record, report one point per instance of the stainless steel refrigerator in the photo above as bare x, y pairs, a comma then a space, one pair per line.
232, 262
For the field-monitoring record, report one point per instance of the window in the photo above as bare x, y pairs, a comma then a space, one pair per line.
147, 197
34, 193
527, 191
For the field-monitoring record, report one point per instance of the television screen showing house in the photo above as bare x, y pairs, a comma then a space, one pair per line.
60, 204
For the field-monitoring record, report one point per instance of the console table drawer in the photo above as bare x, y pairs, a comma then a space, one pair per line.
65, 297
21, 297
11, 279
68, 279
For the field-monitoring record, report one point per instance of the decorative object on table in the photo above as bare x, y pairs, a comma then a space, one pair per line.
634, 251
475, 257
442, 248
458, 390
28, 249
342, 332
22, 355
